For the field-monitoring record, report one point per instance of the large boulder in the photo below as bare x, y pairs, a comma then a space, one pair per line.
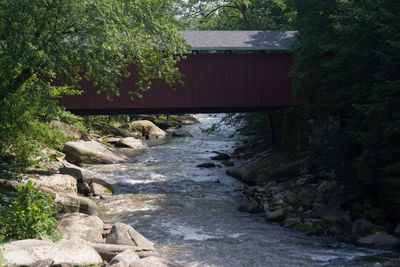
379, 240
128, 142
123, 234
151, 128
92, 152
29, 252
79, 225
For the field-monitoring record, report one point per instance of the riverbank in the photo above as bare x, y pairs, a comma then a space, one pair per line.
86, 240
291, 192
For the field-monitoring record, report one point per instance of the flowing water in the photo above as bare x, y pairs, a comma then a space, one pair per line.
191, 215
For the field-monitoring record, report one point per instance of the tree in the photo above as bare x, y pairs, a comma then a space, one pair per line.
47, 46
346, 63
237, 14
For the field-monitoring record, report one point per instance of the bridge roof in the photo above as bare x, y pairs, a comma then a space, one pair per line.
239, 40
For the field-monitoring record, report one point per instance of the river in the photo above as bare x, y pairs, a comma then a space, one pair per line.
191, 214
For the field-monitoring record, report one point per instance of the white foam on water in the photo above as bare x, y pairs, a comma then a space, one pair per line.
237, 235
188, 233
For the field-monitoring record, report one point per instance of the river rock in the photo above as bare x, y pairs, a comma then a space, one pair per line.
221, 156
71, 169
93, 152
79, 225
128, 142
379, 240
305, 197
88, 206
28, 252
206, 165
277, 215
56, 182
72, 203
250, 205
123, 234
83, 188
181, 133
228, 163
109, 251
124, 258
362, 227
100, 187
151, 128
154, 262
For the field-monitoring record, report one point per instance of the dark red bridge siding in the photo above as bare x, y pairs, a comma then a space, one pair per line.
212, 83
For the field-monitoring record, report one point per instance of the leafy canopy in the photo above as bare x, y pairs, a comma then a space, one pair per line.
47, 46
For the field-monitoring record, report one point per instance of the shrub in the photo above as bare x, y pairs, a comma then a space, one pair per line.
31, 215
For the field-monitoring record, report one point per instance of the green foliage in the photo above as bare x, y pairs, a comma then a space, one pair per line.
237, 14
31, 215
48, 47
346, 64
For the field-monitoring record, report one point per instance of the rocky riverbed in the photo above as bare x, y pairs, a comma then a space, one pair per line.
176, 193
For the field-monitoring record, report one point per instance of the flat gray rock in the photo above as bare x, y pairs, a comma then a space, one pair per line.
30, 251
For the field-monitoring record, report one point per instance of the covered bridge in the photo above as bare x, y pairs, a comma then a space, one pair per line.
225, 71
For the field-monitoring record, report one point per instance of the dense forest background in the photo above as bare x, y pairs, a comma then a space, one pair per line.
346, 65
